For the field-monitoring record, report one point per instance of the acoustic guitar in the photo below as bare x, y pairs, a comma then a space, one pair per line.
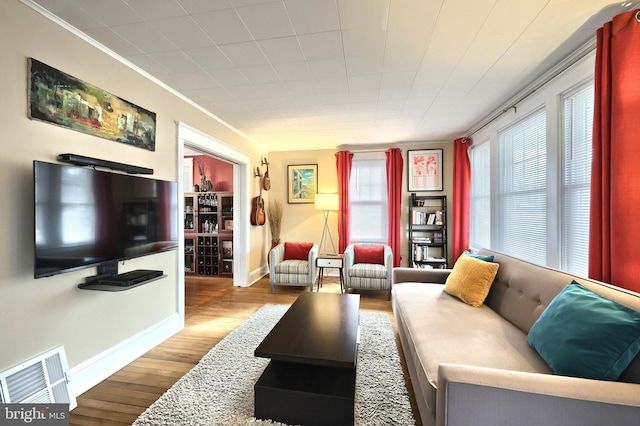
266, 181
258, 216
257, 211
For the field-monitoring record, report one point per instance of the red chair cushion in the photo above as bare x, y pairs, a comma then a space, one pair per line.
368, 254
297, 251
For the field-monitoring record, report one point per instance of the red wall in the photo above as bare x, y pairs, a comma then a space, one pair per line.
219, 172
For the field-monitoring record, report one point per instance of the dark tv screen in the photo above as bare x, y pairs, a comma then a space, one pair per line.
86, 217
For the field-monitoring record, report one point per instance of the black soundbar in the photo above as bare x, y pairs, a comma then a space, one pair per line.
80, 160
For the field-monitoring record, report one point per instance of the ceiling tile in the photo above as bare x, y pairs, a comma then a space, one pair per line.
209, 58
148, 64
176, 61
363, 14
313, 16
322, 45
269, 20
359, 65
154, 9
110, 13
200, 6
145, 37
327, 68
229, 77
113, 41
72, 14
182, 32
293, 71
244, 54
364, 82
223, 26
192, 80
364, 41
259, 74
274, 89
280, 50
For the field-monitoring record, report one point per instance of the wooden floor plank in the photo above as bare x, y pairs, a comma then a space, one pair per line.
213, 308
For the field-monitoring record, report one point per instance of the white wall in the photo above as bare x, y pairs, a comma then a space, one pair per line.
98, 329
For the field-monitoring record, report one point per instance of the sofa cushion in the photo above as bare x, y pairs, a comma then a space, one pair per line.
471, 280
368, 254
584, 334
293, 266
485, 257
297, 251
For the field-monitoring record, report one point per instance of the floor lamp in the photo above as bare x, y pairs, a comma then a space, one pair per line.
326, 203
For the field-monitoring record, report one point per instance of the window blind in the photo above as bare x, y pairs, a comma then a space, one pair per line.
577, 154
368, 198
480, 195
522, 189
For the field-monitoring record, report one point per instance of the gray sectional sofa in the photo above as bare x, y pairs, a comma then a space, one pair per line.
474, 366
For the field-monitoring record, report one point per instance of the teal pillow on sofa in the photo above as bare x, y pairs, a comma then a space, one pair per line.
583, 334
485, 257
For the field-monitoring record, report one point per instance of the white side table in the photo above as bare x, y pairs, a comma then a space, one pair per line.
330, 261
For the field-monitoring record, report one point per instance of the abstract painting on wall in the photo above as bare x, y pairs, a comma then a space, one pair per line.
58, 98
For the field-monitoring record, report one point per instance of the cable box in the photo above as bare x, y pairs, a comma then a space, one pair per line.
130, 278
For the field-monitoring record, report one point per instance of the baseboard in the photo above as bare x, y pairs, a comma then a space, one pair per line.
91, 372
257, 274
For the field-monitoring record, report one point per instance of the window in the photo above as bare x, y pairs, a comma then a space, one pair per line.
577, 153
368, 198
522, 190
539, 158
480, 196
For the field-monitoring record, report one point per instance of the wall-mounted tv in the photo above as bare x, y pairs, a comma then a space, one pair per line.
86, 217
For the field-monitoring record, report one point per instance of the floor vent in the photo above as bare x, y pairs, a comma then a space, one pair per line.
40, 380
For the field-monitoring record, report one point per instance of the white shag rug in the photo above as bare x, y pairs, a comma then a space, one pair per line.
219, 389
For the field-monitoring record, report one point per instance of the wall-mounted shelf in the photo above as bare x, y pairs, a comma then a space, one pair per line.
100, 285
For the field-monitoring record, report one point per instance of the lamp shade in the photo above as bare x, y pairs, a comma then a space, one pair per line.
327, 202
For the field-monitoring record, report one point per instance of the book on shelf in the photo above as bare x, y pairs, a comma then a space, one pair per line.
432, 219
438, 237
421, 240
439, 217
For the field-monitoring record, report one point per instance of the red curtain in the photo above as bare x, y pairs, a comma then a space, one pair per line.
394, 194
343, 163
461, 203
615, 181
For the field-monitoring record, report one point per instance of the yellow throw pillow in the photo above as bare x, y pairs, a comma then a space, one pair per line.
471, 280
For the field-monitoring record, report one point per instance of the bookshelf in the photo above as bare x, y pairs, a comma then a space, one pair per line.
428, 231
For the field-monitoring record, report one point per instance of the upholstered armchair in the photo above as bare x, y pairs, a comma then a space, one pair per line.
293, 264
368, 267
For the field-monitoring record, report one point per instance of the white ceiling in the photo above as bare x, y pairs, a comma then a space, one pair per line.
313, 74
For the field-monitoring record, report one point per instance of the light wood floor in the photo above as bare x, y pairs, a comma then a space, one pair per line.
213, 308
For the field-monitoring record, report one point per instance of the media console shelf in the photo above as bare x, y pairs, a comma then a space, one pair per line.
111, 283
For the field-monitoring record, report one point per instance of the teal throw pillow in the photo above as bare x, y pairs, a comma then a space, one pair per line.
583, 334
485, 257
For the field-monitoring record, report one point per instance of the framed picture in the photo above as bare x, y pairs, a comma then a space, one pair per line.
61, 99
302, 183
425, 170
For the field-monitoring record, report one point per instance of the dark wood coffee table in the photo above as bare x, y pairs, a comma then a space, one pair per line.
313, 349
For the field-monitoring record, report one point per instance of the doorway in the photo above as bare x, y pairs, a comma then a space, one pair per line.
192, 140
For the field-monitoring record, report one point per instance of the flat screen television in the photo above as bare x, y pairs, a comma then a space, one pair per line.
86, 217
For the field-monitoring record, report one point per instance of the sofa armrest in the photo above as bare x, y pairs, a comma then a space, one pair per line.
470, 395
416, 275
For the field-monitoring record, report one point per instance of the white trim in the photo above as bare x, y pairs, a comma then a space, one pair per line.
202, 142
98, 368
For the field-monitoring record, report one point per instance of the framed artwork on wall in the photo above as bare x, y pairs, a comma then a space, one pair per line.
61, 99
425, 170
302, 185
